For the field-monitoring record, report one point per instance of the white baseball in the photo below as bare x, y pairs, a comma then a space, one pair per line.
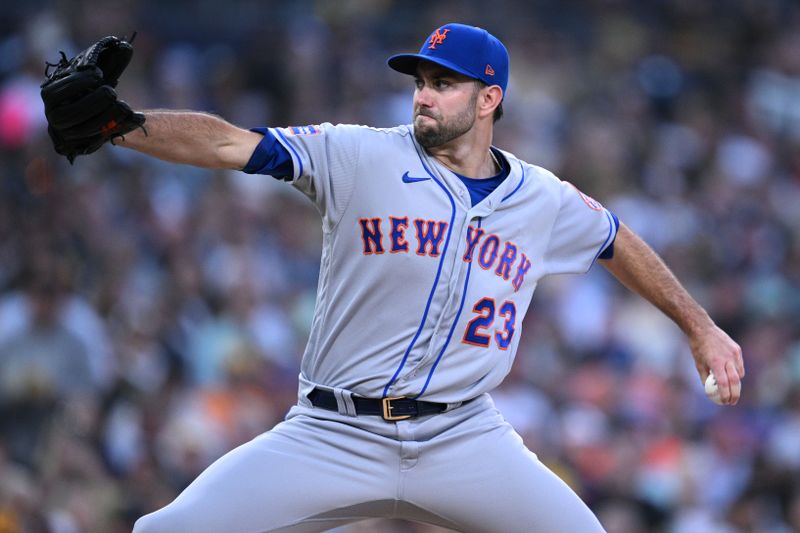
712, 389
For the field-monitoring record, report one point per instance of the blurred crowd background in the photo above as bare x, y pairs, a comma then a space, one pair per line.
152, 316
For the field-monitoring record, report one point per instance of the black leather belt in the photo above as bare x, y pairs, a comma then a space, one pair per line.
391, 409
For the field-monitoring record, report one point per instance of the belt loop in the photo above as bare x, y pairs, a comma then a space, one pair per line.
453, 405
344, 402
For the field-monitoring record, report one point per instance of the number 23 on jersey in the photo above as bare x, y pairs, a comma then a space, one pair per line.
479, 330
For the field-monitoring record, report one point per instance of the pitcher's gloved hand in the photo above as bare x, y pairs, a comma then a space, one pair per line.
82, 108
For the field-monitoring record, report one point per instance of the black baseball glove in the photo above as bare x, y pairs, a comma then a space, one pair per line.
80, 103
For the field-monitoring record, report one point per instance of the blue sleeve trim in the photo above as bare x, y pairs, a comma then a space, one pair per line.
270, 157
608, 252
296, 155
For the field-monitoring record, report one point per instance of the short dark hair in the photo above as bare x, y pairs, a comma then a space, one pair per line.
498, 111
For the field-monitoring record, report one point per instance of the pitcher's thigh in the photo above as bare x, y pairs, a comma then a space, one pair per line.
293, 478
489, 482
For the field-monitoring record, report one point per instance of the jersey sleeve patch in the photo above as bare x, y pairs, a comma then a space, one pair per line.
305, 130
593, 204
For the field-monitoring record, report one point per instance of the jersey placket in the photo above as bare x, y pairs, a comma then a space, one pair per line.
456, 288
449, 310
407, 379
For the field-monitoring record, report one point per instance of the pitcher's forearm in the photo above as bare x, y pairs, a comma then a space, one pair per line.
640, 269
192, 138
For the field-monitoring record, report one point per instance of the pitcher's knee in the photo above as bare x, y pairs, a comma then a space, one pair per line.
157, 522
144, 525
175, 518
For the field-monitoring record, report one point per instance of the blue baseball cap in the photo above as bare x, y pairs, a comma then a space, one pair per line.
468, 50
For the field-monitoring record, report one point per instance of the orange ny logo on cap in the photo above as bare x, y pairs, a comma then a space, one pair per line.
437, 38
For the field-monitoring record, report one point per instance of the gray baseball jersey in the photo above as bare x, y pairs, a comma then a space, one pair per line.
421, 294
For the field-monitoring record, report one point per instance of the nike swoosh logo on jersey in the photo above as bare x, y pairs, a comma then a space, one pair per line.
409, 179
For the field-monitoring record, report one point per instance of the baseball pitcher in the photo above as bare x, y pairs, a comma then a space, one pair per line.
433, 243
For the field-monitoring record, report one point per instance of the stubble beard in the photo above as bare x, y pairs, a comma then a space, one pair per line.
433, 135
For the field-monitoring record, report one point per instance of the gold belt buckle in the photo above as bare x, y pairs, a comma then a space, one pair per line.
387, 410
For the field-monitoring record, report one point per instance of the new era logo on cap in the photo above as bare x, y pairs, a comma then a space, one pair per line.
468, 50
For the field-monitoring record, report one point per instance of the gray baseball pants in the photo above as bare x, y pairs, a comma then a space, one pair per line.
465, 469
